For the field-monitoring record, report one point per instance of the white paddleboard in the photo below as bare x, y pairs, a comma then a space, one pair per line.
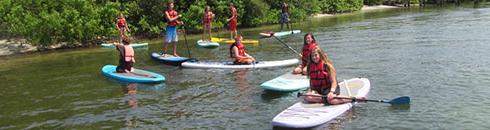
304, 115
230, 65
134, 45
207, 44
287, 82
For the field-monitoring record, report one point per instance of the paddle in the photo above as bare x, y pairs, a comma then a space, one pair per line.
187, 46
185, 40
287, 46
396, 101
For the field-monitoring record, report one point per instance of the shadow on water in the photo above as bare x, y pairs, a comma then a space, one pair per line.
134, 94
405, 107
268, 95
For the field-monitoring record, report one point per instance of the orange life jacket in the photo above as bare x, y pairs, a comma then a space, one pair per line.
172, 14
128, 53
241, 50
319, 76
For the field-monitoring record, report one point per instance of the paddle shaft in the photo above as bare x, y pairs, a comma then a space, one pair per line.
185, 40
287, 46
340, 97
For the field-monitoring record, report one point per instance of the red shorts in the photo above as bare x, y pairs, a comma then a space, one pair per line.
233, 25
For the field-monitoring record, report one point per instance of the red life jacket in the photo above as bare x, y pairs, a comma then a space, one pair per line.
121, 22
233, 12
172, 14
241, 50
307, 52
208, 17
319, 76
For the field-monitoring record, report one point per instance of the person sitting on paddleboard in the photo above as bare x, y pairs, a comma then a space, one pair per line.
126, 59
323, 80
232, 21
284, 15
207, 21
172, 18
237, 52
308, 44
122, 26
126, 56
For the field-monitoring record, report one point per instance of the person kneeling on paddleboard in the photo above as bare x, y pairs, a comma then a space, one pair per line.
323, 80
237, 52
126, 56
308, 45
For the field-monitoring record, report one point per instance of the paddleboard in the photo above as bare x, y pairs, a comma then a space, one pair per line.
287, 82
207, 44
140, 77
134, 45
230, 41
169, 59
230, 65
304, 115
279, 34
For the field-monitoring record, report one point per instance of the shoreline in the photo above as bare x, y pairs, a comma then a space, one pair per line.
364, 8
11, 46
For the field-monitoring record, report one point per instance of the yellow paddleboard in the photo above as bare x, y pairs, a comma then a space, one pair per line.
230, 41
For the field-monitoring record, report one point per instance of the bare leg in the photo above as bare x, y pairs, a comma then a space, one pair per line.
175, 49
209, 32
165, 44
313, 99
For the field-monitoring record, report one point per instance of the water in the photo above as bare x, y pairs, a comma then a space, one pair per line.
437, 56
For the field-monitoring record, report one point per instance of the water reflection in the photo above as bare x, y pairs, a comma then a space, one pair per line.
244, 89
130, 90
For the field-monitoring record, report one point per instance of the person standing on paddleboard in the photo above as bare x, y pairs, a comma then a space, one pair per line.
323, 80
207, 22
232, 21
308, 44
284, 15
122, 26
237, 52
172, 18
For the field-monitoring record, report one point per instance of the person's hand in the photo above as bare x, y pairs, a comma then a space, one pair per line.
330, 95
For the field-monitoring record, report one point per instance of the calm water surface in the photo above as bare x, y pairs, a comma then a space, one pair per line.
437, 56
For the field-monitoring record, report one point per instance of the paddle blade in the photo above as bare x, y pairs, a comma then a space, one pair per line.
400, 100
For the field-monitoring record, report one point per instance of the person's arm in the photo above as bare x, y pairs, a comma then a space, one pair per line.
127, 25
333, 78
167, 16
235, 53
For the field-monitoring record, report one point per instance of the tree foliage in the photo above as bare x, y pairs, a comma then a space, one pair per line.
48, 22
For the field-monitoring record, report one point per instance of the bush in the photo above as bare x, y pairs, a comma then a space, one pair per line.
47, 22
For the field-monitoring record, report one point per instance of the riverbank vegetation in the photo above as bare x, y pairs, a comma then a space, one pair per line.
84, 22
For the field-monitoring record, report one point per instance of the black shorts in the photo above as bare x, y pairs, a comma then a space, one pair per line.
325, 91
123, 66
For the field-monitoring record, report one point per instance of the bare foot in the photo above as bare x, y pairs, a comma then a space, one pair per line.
175, 54
164, 55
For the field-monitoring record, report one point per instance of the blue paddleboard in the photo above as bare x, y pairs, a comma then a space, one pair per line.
139, 76
170, 59
287, 82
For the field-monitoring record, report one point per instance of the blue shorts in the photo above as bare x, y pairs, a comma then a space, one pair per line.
284, 18
171, 34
